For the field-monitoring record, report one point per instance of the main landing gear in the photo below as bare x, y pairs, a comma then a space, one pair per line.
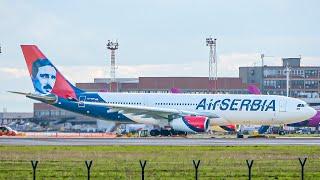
165, 132
154, 132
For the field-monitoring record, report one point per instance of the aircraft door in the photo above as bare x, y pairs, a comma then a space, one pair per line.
282, 106
81, 104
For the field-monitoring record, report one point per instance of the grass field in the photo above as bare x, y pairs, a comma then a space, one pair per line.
122, 162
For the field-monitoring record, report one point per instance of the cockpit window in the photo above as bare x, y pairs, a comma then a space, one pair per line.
300, 105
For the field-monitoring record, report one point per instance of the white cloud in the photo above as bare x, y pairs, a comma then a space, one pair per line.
228, 66
310, 61
10, 72
82, 73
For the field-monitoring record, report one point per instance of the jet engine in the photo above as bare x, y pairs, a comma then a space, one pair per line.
190, 124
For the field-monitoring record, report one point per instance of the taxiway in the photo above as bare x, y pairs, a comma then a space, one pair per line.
158, 141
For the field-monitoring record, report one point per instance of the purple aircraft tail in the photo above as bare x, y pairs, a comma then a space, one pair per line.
253, 89
175, 90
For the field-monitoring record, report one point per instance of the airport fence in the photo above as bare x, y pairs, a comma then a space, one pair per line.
160, 170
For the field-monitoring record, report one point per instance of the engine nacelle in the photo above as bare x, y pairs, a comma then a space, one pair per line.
191, 124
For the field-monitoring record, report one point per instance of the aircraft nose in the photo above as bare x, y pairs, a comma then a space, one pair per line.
310, 112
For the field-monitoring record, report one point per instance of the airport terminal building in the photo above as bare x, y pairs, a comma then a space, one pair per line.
304, 80
232, 85
9, 117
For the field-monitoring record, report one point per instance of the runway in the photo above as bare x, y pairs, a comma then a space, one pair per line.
158, 141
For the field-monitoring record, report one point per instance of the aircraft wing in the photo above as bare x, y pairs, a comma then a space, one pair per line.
133, 111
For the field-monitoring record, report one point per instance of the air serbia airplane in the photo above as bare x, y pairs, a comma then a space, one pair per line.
180, 112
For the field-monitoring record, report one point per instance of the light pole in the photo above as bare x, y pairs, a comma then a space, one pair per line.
213, 67
212, 58
113, 46
288, 69
262, 74
262, 56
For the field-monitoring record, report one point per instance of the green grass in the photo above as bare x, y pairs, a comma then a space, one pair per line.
122, 162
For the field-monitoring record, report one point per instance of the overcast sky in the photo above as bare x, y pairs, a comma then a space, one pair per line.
157, 38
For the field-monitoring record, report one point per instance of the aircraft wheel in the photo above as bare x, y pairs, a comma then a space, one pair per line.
154, 132
173, 132
239, 135
165, 133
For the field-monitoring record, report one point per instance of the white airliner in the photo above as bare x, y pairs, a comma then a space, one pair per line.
180, 112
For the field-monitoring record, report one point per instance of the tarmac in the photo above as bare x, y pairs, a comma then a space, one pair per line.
157, 141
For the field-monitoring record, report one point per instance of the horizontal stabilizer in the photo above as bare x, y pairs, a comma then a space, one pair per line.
48, 98
21, 93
